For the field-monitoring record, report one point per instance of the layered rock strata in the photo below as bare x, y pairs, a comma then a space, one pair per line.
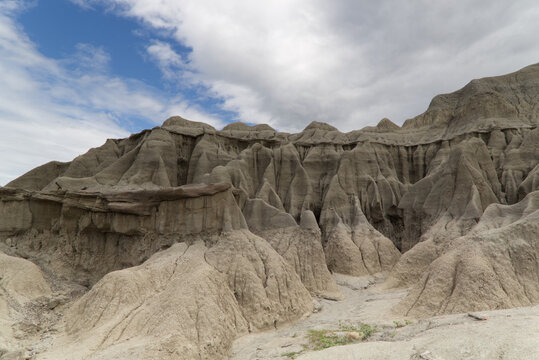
254, 221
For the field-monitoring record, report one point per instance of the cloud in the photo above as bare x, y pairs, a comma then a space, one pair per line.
88, 59
168, 61
284, 62
83, 4
288, 62
57, 109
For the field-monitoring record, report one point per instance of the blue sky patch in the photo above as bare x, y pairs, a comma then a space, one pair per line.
65, 31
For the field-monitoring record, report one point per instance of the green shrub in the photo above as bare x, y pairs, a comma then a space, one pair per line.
399, 324
292, 354
323, 339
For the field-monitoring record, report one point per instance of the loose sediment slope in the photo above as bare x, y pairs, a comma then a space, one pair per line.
244, 224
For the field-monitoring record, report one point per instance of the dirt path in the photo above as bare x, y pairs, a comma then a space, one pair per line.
506, 334
364, 303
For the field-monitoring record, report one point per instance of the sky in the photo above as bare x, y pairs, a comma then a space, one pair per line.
76, 72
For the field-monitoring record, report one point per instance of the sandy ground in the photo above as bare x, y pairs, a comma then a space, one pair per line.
506, 334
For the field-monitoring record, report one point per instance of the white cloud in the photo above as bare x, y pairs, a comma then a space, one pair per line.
284, 62
288, 62
168, 61
58, 109
82, 3
89, 59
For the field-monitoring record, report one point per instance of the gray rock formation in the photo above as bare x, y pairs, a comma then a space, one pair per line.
85, 235
254, 220
494, 266
187, 302
21, 283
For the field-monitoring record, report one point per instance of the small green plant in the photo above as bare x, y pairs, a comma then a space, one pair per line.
292, 354
294, 335
323, 339
347, 327
392, 335
400, 324
365, 330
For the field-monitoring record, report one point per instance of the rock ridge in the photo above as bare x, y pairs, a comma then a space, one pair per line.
255, 221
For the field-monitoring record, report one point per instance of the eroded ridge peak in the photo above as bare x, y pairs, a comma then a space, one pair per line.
241, 126
386, 124
317, 125
178, 121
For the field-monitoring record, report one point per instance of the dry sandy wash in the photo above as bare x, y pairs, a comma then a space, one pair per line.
187, 242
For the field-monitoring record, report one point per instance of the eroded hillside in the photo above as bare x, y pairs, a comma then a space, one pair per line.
183, 226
